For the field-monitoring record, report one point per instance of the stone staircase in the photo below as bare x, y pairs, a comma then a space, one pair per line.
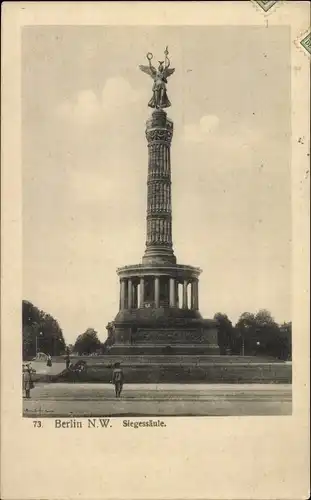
176, 359
184, 369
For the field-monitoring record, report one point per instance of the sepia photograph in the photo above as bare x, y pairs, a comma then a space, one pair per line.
156, 221
155, 188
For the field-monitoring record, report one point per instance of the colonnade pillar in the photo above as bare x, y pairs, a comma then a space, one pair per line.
135, 296
195, 295
157, 291
172, 293
184, 295
129, 294
122, 294
192, 294
141, 292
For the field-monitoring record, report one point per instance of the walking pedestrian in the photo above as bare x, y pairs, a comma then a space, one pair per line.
48, 360
118, 379
67, 358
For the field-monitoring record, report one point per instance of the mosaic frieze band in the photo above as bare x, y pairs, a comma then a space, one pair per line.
170, 336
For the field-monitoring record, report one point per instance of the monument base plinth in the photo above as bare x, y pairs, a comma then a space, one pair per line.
183, 336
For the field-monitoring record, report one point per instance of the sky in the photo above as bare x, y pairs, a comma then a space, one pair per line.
84, 162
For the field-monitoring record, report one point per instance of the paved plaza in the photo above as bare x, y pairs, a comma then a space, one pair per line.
79, 400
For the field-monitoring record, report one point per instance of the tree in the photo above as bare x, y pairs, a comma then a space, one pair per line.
70, 348
87, 342
260, 334
266, 333
264, 318
245, 328
53, 334
41, 332
225, 333
286, 341
246, 320
280, 344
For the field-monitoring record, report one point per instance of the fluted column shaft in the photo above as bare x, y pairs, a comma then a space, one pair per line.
159, 245
159, 212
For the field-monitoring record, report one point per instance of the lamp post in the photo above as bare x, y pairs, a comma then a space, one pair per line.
37, 336
243, 338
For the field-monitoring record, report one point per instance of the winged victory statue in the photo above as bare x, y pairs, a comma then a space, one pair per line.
159, 99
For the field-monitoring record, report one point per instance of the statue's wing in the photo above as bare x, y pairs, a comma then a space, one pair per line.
150, 70
168, 72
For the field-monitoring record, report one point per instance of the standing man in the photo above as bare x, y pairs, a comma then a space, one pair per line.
118, 379
27, 379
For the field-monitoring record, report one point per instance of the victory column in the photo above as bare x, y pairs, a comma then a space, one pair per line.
156, 315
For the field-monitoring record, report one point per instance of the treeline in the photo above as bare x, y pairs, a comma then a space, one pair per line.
254, 334
41, 332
